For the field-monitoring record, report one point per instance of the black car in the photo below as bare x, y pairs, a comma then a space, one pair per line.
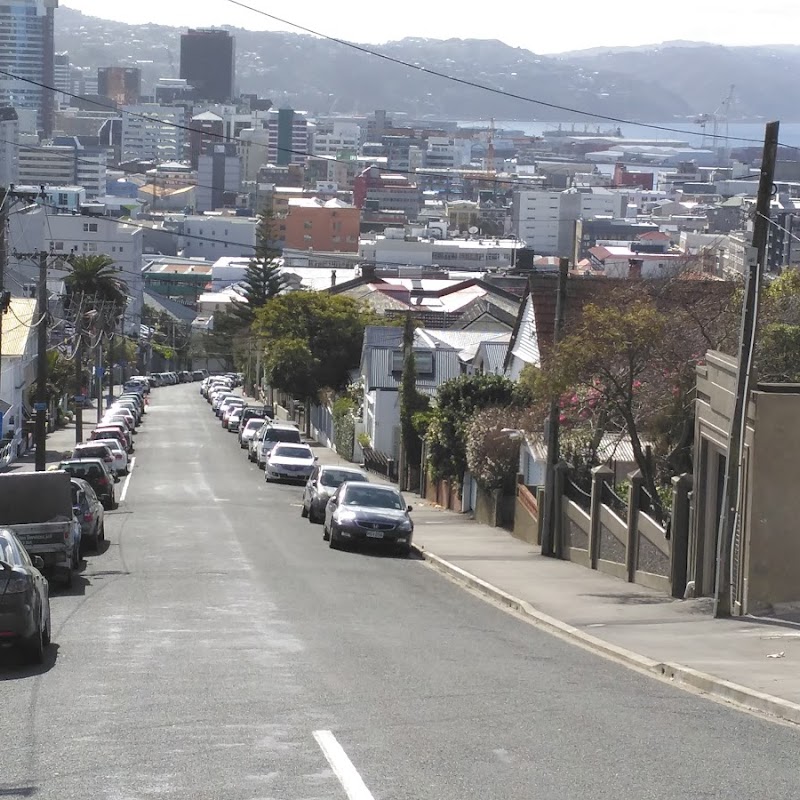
360, 513
90, 513
96, 474
24, 599
324, 481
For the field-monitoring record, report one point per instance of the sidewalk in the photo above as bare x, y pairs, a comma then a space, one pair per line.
754, 662
59, 443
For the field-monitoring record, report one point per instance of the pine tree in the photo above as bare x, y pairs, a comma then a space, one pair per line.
263, 279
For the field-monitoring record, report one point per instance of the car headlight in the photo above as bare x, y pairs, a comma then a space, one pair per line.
406, 525
346, 516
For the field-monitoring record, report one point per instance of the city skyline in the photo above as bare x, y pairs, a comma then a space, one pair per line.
591, 25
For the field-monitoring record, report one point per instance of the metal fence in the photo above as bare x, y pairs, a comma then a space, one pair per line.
611, 499
380, 463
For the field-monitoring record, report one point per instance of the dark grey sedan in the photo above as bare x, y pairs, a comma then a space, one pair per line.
324, 481
24, 599
366, 513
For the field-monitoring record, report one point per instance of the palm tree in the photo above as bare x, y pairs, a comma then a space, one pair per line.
96, 294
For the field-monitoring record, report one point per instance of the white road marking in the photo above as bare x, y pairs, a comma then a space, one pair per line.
342, 766
127, 480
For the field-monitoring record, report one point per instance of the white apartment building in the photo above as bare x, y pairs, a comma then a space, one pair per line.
332, 138
288, 137
474, 255
64, 165
214, 235
447, 153
51, 166
252, 147
92, 235
545, 220
219, 172
9, 146
149, 132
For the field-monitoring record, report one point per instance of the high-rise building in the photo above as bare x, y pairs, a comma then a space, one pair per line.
9, 146
208, 63
219, 176
62, 79
123, 85
152, 132
27, 51
288, 137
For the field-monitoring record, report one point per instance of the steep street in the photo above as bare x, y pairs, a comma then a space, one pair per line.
210, 650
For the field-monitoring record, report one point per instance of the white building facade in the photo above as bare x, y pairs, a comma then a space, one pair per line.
212, 236
332, 138
149, 132
9, 146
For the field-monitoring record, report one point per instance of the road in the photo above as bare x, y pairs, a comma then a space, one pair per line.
207, 652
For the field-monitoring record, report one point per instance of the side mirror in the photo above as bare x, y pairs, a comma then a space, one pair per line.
316, 458
38, 562
410, 509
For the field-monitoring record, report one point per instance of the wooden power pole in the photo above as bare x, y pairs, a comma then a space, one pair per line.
730, 521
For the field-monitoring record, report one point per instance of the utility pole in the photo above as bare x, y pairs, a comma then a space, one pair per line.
4, 304
41, 366
79, 377
98, 378
730, 521
549, 545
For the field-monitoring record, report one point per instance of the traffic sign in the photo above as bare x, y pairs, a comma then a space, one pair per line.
40, 406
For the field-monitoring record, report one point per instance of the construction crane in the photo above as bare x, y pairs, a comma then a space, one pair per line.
719, 118
490, 165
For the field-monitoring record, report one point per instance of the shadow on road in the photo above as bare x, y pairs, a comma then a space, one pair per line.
13, 666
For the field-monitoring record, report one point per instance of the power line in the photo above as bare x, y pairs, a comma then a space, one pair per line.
476, 85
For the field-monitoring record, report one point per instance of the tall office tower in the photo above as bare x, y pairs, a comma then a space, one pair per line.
27, 50
207, 63
122, 84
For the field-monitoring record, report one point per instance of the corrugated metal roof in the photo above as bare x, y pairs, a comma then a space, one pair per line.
17, 326
383, 336
494, 354
446, 365
612, 448
457, 339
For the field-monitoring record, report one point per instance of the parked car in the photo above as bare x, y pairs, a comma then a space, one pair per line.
230, 407
263, 412
124, 416
89, 512
289, 462
234, 419
273, 434
24, 599
96, 474
108, 426
321, 485
118, 451
110, 432
248, 430
368, 513
95, 450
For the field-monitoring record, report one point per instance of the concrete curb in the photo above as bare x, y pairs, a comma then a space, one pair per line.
718, 688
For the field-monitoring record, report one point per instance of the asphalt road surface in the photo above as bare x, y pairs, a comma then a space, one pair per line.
220, 650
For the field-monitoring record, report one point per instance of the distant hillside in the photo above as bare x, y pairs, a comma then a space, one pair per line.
764, 78
644, 84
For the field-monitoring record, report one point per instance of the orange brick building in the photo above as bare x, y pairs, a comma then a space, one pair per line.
331, 226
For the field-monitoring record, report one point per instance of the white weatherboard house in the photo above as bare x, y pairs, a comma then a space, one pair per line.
17, 368
440, 355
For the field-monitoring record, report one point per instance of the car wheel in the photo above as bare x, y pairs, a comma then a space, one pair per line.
46, 633
35, 647
101, 534
325, 535
304, 512
114, 503
333, 541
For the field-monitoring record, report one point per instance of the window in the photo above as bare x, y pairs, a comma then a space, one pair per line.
120, 248
58, 245
91, 247
424, 362
63, 199
90, 227
397, 361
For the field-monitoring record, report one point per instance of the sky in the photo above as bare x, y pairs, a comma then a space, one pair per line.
537, 26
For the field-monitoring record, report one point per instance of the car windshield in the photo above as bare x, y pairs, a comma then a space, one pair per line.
287, 451
336, 477
83, 470
253, 424
373, 497
282, 435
